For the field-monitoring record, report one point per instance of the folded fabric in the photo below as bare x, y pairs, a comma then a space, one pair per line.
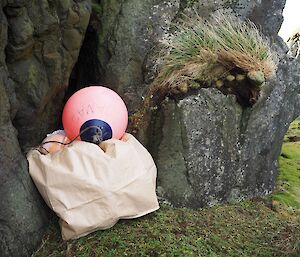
91, 187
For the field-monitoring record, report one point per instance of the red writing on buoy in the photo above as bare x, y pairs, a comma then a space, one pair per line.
95, 102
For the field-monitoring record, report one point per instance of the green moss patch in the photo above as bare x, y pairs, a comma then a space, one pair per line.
246, 229
288, 182
294, 130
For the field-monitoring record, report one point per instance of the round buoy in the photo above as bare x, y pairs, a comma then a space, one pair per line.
96, 113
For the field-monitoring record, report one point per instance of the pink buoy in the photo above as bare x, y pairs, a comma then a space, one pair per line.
97, 112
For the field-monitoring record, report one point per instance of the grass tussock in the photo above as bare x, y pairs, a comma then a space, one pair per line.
207, 50
223, 52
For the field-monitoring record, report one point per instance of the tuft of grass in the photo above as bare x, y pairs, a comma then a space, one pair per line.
207, 50
206, 53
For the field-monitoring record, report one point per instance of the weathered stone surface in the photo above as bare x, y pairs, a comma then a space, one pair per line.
199, 135
123, 38
44, 39
209, 150
37, 54
124, 33
266, 14
23, 215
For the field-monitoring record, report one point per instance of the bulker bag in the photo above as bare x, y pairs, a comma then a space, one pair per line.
91, 188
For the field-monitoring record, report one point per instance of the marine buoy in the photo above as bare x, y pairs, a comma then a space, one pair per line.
96, 113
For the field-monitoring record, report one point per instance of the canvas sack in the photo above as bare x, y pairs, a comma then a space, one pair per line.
91, 187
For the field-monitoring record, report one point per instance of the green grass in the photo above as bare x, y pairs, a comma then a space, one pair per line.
260, 227
294, 130
246, 229
288, 183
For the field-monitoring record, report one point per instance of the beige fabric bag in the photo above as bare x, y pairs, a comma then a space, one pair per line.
91, 188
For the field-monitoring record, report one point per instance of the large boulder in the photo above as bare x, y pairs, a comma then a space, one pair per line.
39, 45
23, 215
209, 150
207, 147
44, 39
122, 38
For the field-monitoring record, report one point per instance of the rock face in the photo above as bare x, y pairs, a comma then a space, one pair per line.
125, 34
22, 213
207, 148
39, 45
44, 40
210, 150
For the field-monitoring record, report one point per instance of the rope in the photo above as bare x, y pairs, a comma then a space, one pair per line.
97, 138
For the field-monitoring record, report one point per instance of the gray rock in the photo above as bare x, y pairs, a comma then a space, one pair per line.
44, 40
210, 150
39, 45
267, 15
23, 215
126, 33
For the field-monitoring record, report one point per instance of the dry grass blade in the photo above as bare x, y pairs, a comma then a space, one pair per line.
199, 46
242, 40
206, 52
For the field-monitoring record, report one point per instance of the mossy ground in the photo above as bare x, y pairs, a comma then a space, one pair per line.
260, 227
288, 183
294, 130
